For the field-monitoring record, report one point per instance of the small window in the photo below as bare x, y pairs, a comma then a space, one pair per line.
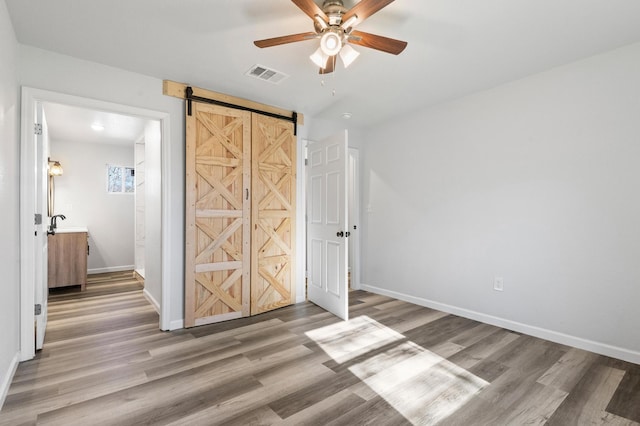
120, 179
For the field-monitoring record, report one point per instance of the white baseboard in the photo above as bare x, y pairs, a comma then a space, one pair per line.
7, 378
151, 300
176, 324
111, 269
553, 336
140, 272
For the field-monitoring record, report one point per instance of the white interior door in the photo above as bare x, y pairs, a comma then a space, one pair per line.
327, 227
41, 291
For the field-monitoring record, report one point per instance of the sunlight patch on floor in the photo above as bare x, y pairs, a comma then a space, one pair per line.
349, 339
421, 385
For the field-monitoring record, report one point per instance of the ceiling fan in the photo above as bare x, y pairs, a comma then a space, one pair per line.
334, 25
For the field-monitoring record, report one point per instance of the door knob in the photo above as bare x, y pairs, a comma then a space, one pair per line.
340, 234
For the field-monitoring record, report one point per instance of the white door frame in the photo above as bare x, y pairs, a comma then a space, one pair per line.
27, 207
354, 211
41, 244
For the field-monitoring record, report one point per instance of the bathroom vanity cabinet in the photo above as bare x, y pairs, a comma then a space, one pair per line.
67, 258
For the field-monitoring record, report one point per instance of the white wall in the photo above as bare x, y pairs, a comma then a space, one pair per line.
538, 182
318, 129
140, 203
153, 204
54, 72
10, 202
81, 195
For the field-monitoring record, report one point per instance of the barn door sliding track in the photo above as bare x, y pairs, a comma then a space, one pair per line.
189, 96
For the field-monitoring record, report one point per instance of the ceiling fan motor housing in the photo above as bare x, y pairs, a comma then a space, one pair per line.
333, 35
334, 9
332, 6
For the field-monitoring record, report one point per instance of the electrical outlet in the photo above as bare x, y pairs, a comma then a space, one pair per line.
498, 283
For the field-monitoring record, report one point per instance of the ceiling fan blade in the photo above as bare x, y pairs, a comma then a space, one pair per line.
364, 9
384, 44
291, 38
311, 9
331, 65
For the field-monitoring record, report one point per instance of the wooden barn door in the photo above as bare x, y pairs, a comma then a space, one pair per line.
273, 177
240, 214
217, 235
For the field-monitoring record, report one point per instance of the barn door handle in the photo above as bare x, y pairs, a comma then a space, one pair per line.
340, 234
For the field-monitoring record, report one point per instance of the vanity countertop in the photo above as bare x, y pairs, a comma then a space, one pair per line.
73, 229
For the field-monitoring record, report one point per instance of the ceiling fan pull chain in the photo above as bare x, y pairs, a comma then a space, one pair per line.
333, 75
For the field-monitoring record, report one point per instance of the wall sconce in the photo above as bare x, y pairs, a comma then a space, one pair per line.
55, 169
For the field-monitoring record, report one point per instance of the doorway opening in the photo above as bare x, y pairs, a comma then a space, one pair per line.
34, 289
103, 184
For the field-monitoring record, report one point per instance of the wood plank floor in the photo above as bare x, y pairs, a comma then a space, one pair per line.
106, 363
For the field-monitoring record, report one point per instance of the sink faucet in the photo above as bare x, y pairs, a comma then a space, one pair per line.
54, 224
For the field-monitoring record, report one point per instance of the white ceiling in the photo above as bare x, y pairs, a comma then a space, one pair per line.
455, 47
72, 124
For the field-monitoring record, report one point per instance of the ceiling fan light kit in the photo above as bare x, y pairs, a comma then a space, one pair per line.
333, 25
348, 54
331, 42
319, 58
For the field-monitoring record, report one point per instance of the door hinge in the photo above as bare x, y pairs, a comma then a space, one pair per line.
38, 219
37, 128
306, 161
38, 309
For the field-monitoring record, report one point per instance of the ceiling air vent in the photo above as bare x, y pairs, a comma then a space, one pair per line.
267, 74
